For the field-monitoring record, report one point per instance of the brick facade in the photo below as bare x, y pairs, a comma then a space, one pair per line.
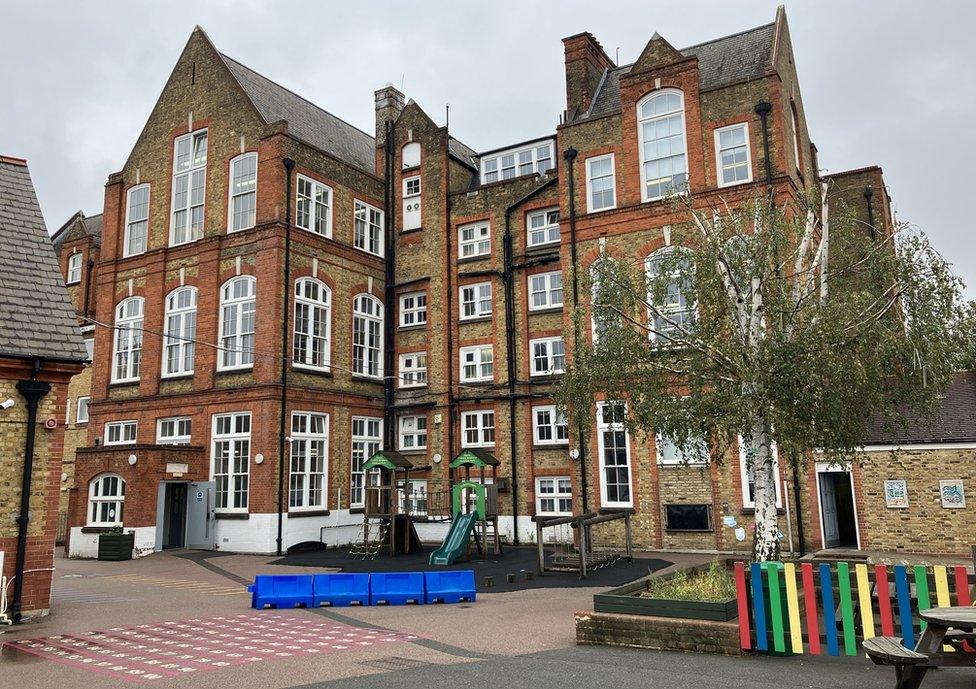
209, 91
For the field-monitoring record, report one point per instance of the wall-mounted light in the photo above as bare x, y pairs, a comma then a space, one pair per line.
258, 458
7, 403
436, 458
132, 460
574, 453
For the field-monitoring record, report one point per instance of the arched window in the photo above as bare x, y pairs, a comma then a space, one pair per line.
136, 220
367, 336
313, 323
237, 302
180, 331
663, 151
602, 318
128, 340
670, 313
106, 500
243, 192
411, 155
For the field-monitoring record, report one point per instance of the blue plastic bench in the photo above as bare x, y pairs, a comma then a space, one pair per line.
396, 588
450, 586
339, 590
281, 591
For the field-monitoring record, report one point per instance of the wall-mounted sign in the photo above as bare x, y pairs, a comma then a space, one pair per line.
953, 494
199, 496
896, 493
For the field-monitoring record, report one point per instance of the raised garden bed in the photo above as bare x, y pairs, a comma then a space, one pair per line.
114, 545
634, 599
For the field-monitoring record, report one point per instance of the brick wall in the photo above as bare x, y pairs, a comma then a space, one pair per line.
657, 633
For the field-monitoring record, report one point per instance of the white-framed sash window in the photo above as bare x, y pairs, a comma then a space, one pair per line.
553, 495
601, 184
121, 432
474, 240
475, 300
413, 370
308, 468
613, 443
136, 220
547, 356
546, 291
237, 323
231, 460
478, 428
314, 206
367, 439
548, 426
179, 338
127, 356
189, 187
542, 227
477, 364
368, 234
313, 324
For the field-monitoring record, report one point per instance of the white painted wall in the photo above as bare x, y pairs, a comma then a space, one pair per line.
85, 545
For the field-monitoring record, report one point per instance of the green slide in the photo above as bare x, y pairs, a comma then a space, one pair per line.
456, 541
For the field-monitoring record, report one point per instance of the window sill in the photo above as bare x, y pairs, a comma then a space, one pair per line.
412, 230
357, 510
546, 377
230, 371
551, 446
320, 372
548, 309
752, 510
689, 530
476, 319
299, 514
232, 515
473, 259
413, 388
540, 516
408, 328
617, 510
176, 376
123, 383
682, 465
480, 382
367, 379
414, 452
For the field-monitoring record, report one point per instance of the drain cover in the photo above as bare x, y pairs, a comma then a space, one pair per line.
394, 663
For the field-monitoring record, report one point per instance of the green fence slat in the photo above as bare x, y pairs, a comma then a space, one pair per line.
922, 592
846, 607
776, 606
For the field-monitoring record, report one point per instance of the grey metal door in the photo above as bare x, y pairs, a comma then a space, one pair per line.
828, 500
200, 515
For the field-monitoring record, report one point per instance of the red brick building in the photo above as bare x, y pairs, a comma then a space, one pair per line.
40, 350
278, 294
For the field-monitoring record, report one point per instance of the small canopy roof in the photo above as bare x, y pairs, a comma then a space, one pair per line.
474, 458
389, 459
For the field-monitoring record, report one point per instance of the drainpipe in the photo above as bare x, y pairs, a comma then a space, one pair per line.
449, 272
510, 345
569, 155
799, 508
868, 193
390, 292
285, 324
32, 391
88, 279
763, 108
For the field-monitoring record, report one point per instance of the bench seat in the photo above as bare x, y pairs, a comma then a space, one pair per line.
888, 650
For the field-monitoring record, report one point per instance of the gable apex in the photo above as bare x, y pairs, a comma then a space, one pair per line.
657, 53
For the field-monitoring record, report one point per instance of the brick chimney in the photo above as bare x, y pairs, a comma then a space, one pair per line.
585, 64
389, 105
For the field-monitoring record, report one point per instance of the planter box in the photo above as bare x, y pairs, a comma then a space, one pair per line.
116, 546
626, 600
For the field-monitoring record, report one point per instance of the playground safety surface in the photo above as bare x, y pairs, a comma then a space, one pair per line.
515, 560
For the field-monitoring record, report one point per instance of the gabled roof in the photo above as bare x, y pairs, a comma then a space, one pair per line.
36, 315
306, 121
952, 421
78, 225
723, 61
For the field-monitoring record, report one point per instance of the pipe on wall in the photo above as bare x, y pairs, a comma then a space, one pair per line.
32, 390
285, 322
569, 155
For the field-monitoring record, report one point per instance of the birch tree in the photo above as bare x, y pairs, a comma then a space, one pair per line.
766, 330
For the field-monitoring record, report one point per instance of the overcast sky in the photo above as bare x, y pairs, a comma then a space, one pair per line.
890, 83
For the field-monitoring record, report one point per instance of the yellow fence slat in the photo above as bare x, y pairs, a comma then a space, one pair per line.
793, 606
864, 600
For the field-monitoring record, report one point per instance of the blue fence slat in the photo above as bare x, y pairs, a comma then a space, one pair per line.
829, 612
904, 606
759, 607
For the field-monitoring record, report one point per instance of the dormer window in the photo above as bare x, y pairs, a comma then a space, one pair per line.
531, 158
663, 150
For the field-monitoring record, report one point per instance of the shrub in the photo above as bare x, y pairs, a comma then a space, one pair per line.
714, 585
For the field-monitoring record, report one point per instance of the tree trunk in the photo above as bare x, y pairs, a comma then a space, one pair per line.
759, 458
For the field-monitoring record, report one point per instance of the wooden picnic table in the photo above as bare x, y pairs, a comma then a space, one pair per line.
954, 626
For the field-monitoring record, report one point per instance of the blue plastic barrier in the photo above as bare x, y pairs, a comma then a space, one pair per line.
396, 588
449, 587
281, 591
339, 590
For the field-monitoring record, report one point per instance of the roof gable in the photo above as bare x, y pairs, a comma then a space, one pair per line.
721, 62
656, 54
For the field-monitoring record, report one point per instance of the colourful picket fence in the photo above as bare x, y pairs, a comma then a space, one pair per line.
790, 609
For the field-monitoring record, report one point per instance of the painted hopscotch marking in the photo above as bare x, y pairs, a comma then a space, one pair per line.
164, 650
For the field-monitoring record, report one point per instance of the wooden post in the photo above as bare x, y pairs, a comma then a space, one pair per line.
627, 535
584, 538
542, 551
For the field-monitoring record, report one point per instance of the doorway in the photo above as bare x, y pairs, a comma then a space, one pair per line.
174, 515
838, 514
